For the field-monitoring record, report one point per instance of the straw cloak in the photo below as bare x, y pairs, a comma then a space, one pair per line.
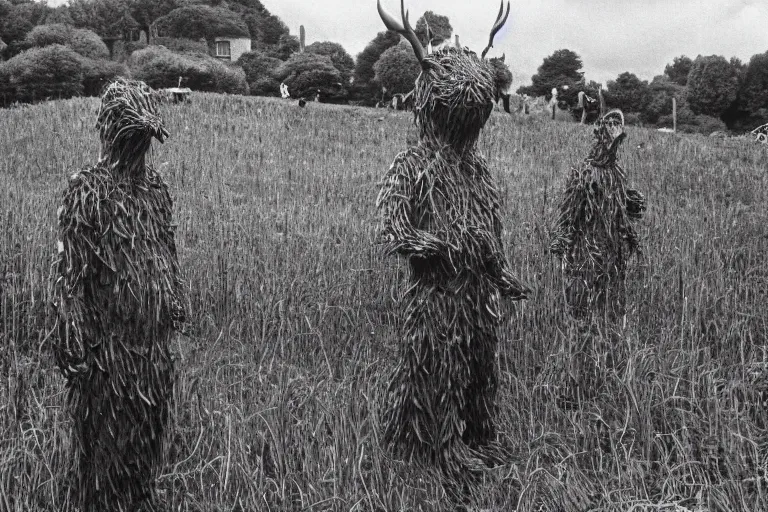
118, 297
440, 209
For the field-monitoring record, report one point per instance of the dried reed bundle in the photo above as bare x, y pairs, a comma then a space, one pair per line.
440, 209
595, 234
118, 296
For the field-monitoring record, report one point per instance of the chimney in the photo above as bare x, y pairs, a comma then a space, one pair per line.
302, 38
457, 41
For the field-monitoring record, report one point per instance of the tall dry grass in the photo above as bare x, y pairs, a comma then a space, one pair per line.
295, 318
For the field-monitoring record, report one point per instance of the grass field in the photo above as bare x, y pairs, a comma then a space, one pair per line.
295, 317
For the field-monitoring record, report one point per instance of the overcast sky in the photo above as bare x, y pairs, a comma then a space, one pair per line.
611, 36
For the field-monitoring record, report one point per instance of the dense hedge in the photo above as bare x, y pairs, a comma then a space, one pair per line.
85, 42
53, 71
261, 73
160, 67
181, 45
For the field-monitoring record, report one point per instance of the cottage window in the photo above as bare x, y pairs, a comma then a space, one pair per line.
222, 49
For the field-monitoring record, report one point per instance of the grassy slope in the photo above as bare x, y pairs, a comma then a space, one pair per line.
295, 315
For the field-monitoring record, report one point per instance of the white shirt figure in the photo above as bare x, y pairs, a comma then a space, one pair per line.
284, 91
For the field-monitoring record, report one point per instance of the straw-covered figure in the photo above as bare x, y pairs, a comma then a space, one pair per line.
118, 297
441, 211
595, 234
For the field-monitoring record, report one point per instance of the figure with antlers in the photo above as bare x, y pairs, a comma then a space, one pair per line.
118, 298
440, 210
595, 235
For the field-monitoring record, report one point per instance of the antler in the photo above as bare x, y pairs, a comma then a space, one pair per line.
500, 21
404, 29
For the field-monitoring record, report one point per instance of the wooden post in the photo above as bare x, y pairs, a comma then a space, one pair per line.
674, 114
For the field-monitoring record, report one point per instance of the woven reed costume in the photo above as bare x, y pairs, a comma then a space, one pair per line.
595, 234
441, 211
118, 296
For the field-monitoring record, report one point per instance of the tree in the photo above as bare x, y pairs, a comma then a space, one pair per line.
17, 19
627, 92
59, 14
40, 73
159, 67
753, 94
397, 69
85, 42
261, 73
364, 73
364, 85
439, 27
286, 46
562, 68
108, 18
306, 73
339, 56
272, 29
146, 12
679, 69
502, 76
199, 21
661, 90
712, 85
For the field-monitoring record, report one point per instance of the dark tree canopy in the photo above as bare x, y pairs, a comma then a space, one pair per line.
679, 69
83, 41
712, 85
286, 46
364, 73
439, 27
753, 94
146, 12
562, 68
304, 73
502, 74
397, 69
661, 90
18, 18
339, 56
258, 65
627, 92
202, 21
108, 18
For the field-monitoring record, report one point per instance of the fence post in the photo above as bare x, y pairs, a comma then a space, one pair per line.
674, 114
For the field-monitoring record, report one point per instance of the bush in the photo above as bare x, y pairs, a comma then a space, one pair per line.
182, 45
54, 71
688, 122
160, 67
83, 41
132, 46
708, 124
266, 86
88, 44
397, 69
98, 73
305, 73
632, 119
258, 65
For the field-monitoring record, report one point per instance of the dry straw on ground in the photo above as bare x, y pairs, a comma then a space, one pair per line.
441, 210
117, 294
